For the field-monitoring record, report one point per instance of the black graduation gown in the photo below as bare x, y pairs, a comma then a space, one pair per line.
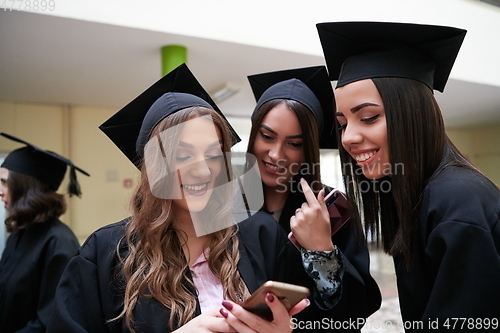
90, 290
32, 262
456, 272
360, 293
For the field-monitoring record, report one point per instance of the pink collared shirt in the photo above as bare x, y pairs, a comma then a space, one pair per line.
210, 292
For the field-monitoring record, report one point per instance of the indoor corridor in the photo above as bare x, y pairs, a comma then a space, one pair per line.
388, 317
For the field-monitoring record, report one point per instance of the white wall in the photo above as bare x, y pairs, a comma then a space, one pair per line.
268, 23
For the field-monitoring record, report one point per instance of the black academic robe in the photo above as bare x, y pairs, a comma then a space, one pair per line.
360, 293
91, 289
32, 262
456, 272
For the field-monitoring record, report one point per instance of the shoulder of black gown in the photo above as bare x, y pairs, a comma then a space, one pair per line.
455, 192
62, 233
104, 240
459, 246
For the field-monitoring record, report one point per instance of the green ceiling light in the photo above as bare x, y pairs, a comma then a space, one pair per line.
171, 57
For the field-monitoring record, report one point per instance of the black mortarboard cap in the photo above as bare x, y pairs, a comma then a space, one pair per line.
131, 127
361, 50
309, 86
44, 165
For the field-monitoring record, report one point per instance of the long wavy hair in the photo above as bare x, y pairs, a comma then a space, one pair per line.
155, 265
418, 148
31, 201
310, 169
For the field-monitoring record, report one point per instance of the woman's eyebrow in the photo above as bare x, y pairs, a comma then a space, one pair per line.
188, 145
215, 143
299, 136
269, 129
356, 108
362, 105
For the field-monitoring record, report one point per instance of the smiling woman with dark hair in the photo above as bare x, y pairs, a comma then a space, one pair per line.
292, 120
434, 212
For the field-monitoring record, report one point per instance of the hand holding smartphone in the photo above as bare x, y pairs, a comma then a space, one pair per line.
288, 294
338, 209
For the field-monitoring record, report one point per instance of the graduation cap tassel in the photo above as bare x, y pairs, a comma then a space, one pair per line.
73, 187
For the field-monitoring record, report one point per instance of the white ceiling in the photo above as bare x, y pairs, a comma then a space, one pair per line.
56, 60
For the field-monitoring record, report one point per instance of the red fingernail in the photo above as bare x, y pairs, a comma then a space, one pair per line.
223, 313
227, 305
270, 297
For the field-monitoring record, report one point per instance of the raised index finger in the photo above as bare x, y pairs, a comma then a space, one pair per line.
308, 193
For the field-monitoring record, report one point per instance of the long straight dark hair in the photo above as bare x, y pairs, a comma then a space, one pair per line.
31, 201
418, 150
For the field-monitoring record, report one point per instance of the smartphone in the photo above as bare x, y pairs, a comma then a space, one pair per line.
338, 207
288, 294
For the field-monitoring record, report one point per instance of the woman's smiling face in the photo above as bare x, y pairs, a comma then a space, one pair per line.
279, 146
199, 160
361, 115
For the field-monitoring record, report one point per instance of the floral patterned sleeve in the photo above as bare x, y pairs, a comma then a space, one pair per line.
326, 269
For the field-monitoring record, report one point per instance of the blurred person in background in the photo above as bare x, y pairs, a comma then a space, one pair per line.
39, 245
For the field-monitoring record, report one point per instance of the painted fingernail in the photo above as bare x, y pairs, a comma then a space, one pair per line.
227, 305
223, 313
270, 297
